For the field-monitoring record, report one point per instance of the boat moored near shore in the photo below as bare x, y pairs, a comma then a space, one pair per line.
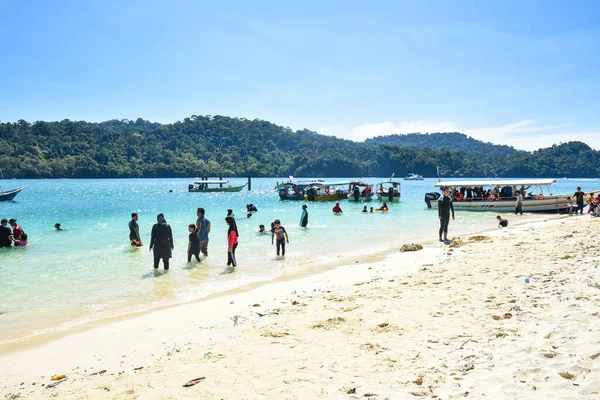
388, 190
327, 191
501, 195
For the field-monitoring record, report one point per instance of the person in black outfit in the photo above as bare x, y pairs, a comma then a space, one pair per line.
444, 208
6, 237
161, 241
502, 223
194, 244
579, 197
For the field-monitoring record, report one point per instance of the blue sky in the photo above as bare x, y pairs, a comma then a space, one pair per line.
524, 73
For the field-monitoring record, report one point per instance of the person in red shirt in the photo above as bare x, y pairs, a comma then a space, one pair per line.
17, 231
232, 241
337, 209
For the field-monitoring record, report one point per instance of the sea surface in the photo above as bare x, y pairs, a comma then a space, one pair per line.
89, 272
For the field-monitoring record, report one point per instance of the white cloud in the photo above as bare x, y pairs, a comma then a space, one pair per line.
526, 135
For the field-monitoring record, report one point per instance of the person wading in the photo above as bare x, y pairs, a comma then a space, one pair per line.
161, 241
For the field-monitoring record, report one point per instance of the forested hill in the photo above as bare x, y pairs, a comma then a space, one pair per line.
447, 140
225, 146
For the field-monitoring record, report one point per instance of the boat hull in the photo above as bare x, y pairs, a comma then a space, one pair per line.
384, 198
361, 199
10, 194
328, 197
547, 204
216, 190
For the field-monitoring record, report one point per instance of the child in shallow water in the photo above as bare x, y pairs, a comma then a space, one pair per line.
23, 241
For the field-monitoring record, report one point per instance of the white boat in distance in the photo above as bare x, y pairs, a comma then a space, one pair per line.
413, 177
500, 195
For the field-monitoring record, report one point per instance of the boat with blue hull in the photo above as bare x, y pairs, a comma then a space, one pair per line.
10, 194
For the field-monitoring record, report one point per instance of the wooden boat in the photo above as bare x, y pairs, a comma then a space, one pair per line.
360, 191
499, 195
388, 190
327, 191
294, 189
10, 194
214, 185
413, 177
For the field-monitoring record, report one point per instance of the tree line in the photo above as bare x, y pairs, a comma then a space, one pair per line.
225, 146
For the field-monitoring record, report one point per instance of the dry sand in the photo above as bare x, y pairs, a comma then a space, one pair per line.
443, 323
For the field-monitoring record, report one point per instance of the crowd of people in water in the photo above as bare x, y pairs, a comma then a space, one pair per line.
161, 237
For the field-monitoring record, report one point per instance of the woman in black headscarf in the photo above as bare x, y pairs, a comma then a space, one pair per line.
162, 241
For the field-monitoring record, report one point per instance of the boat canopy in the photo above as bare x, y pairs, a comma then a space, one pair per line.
392, 181
359, 183
334, 183
514, 182
212, 182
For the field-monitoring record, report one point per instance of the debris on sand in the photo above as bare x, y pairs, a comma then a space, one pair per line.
194, 382
411, 247
457, 242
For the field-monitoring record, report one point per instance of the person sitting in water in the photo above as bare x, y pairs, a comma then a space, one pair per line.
251, 208
261, 230
365, 209
502, 223
57, 227
371, 210
337, 209
23, 241
384, 207
17, 232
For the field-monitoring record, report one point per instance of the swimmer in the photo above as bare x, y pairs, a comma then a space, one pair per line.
337, 209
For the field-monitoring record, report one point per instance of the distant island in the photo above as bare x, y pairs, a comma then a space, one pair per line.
225, 146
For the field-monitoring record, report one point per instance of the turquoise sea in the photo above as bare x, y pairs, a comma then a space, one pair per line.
88, 272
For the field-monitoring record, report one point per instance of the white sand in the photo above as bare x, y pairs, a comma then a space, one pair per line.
414, 325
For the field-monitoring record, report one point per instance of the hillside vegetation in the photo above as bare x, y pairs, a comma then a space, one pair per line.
448, 140
225, 146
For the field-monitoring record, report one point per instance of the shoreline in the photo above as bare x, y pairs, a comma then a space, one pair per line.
37, 339
363, 323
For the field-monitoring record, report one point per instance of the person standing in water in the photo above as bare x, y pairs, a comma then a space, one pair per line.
444, 208
282, 236
161, 241
134, 231
193, 244
202, 230
232, 241
6, 237
304, 217
519, 209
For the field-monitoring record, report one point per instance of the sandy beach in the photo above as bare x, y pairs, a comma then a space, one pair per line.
511, 313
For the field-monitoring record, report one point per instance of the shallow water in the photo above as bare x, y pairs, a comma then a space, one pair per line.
89, 271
